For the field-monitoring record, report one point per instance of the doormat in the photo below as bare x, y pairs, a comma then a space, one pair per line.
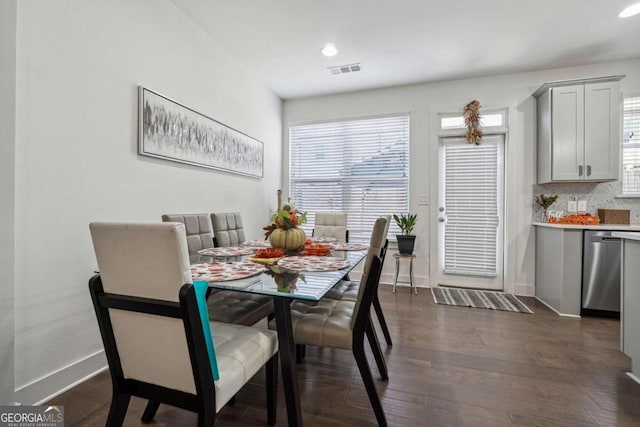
479, 299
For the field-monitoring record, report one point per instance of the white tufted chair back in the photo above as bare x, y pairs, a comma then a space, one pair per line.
331, 224
148, 261
228, 229
198, 228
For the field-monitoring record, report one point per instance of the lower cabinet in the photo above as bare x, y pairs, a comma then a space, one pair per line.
559, 269
630, 316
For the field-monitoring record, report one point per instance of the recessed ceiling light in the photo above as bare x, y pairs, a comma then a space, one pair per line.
634, 9
329, 49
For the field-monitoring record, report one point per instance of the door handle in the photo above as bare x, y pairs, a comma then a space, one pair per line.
580, 170
441, 219
588, 170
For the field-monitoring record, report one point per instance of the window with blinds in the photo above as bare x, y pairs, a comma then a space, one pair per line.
631, 146
358, 166
472, 202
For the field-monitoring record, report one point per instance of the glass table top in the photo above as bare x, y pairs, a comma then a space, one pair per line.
305, 285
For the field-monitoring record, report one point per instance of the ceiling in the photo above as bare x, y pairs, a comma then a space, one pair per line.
411, 41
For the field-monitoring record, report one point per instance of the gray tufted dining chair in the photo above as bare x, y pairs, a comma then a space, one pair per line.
344, 324
227, 229
347, 290
224, 306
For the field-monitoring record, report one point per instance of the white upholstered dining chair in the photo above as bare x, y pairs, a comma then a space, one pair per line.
158, 340
331, 224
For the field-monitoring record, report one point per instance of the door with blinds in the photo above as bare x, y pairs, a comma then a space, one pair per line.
470, 213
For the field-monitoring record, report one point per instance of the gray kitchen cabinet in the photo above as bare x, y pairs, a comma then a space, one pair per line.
578, 130
630, 300
559, 269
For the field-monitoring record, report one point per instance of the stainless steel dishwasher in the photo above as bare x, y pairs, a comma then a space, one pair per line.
601, 272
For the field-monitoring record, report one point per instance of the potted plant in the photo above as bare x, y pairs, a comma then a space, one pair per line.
406, 240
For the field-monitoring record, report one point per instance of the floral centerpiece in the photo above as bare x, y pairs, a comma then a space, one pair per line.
545, 202
283, 232
285, 279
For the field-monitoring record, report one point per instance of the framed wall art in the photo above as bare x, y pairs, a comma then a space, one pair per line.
169, 130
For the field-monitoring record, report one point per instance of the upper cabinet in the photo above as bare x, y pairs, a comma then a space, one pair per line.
578, 130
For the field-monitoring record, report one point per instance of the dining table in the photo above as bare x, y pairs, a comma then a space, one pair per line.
308, 286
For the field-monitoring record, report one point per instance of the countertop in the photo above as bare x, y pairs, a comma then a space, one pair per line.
630, 236
616, 227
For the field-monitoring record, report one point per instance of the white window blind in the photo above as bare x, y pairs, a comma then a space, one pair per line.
360, 167
631, 146
471, 205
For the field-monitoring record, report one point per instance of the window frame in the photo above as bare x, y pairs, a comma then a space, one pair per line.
623, 146
339, 180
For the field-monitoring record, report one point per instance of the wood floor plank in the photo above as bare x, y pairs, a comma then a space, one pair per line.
448, 366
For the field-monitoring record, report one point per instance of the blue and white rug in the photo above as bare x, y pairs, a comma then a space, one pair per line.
478, 299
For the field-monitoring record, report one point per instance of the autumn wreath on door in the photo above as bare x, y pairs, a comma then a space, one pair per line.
472, 122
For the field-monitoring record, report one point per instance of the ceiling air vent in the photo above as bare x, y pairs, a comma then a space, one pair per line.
344, 69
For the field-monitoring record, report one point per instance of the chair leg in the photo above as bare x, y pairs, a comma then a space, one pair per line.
272, 389
118, 409
206, 419
149, 412
383, 323
377, 351
300, 353
369, 385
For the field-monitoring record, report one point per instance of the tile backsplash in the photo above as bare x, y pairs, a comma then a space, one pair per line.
597, 196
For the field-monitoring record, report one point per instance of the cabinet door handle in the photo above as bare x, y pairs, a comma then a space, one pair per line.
588, 170
580, 170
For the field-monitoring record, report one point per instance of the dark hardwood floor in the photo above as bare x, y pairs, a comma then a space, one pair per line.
449, 366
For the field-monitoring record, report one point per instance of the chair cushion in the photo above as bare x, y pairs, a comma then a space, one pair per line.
241, 352
238, 307
344, 290
326, 324
198, 226
228, 229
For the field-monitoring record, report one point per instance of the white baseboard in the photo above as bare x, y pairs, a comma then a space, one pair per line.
557, 312
633, 377
57, 382
525, 289
403, 280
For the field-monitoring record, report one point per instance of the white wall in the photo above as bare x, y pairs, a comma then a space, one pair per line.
79, 64
7, 194
423, 102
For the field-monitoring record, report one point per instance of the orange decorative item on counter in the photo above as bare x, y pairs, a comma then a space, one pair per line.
576, 220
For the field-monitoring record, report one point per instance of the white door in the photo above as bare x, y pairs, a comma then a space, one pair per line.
470, 213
